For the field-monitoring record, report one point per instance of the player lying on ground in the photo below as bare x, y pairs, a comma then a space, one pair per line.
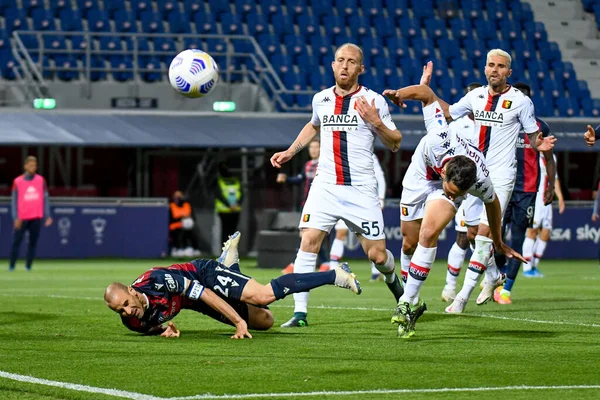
215, 288
444, 168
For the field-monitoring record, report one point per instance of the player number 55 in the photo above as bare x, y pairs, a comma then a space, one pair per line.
367, 229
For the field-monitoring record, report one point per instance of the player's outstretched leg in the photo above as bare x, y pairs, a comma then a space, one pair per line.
230, 256
456, 258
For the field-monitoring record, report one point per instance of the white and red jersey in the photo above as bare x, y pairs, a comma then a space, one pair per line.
498, 121
544, 174
438, 147
347, 141
465, 128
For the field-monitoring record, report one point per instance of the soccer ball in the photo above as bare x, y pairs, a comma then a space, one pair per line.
193, 73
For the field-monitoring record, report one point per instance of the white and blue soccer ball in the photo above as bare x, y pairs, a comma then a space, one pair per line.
193, 73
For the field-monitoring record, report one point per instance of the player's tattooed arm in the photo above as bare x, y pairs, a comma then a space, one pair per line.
304, 137
551, 173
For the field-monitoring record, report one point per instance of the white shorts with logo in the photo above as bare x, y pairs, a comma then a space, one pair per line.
472, 209
357, 206
341, 225
503, 194
413, 200
542, 216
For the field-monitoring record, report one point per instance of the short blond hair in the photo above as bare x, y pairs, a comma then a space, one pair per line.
500, 53
352, 45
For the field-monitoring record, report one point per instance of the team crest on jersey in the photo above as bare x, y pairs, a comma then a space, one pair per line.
506, 104
489, 118
339, 122
404, 211
305, 217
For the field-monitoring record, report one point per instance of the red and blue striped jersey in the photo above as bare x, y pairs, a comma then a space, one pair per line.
528, 166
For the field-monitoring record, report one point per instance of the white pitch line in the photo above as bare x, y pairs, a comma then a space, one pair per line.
209, 396
80, 388
323, 307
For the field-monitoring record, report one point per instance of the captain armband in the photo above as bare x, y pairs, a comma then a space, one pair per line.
195, 290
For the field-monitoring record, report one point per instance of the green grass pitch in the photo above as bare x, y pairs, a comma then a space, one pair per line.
54, 326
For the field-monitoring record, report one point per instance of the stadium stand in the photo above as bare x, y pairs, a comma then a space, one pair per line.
299, 38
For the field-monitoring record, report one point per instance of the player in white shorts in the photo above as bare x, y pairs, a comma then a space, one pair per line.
538, 235
349, 117
500, 111
443, 169
467, 217
341, 229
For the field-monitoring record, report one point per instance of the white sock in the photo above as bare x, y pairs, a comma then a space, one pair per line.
528, 253
539, 249
477, 266
405, 265
336, 253
304, 264
456, 258
374, 270
420, 266
491, 273
387, 269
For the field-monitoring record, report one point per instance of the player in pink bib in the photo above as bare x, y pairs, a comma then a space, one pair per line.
30, 205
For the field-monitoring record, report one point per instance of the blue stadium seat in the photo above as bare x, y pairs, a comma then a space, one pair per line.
360, 25
125, 21
282, 63
567, 107
461, 28
56, 6
271, 7
543, 107
68, 64
78, 45
216, 46
449, 48
521, 11
30, 5
283, 24
270, 44
98, 63
110, 44
70, 20
498, 44
43, 20
485, 31
151, 22
396, 9
535, 31
85, 6
322, 7
410, 28
334, 24
423, 48
293, 80
397, 47
436, 29
552, 87
525, 49
153, 67
496, 10
411, 68
320, 44
563, 70
372, 9
142, 44
296, 8
231, 24
98, 21
372, 47
219, 7
165, 49
550, 51
204, 23
308, 25
257, 24
511, 30
537, 69
119, 66
7, 64
192, 7
386, 28
193, 43
318, 81
15, 19
140, 6
56, 44
518, 69
424, 10
472, 9
179, 22
590, 107
112, 6
245, 7
303, 100
459, 64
